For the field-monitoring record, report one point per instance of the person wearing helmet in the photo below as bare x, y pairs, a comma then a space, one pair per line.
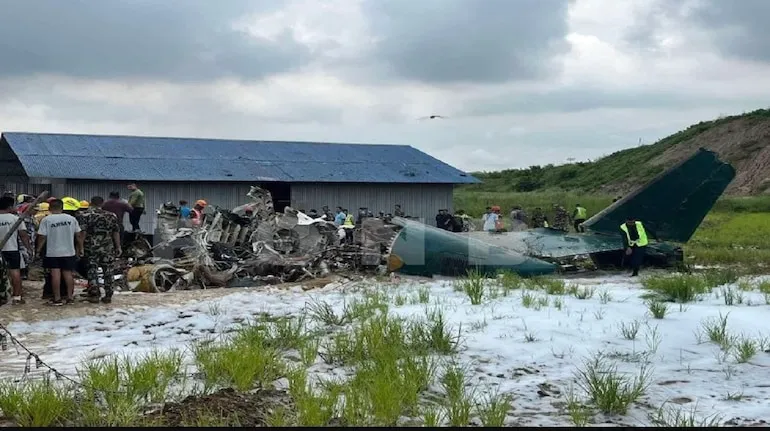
41, 211
70, 204
196, 215
84, 205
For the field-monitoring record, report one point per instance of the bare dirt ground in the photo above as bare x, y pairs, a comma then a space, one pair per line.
743, 143
36, 308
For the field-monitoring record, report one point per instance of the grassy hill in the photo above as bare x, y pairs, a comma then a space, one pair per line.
742, 140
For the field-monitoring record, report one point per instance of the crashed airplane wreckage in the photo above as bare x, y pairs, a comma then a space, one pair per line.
252, 243
671, 206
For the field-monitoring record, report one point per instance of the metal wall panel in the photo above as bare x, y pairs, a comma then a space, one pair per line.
419, 200
226, 195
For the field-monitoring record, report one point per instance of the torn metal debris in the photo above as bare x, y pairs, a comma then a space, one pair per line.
252, 243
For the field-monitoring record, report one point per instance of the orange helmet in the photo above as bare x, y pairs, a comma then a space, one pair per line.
201, 203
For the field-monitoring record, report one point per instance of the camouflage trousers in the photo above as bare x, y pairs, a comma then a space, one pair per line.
106, 261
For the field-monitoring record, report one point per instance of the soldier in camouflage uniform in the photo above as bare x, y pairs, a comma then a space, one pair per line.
101, 247
560, 218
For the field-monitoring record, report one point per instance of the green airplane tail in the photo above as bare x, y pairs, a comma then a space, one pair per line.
674, 203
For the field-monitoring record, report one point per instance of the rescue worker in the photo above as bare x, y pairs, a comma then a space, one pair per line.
538, 218
464, 220
101, 246
398, 212
518, 219
579, 216
349, 224
634, 242
196, 215
42, 211
561, 218
12, 258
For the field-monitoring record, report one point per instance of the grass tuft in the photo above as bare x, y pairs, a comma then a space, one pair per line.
679, 288
473, 286
611, 391
657, 309
630, 330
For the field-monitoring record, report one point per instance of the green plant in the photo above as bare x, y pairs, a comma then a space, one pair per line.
629, 331
493, 410
673, 417
680, 288
605, 296
578, 412
509, 281
584, 292
37, 403
745, 350
657, 309
611, 391
716, 330
473, 286
527, 299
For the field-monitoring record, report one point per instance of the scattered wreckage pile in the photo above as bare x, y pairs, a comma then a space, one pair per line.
252, 244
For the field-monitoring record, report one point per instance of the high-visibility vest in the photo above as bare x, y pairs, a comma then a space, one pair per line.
642, 241
349, 220
581, 213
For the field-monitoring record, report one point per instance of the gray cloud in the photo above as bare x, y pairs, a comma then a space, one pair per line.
170, 39
447, 41
737, 29
578, 99
740, 27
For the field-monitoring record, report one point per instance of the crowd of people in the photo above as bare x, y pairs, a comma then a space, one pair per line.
492, 219
66, 235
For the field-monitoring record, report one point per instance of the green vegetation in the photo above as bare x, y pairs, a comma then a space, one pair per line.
617, 169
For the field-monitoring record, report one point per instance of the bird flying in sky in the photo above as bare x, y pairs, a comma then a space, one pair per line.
432, 117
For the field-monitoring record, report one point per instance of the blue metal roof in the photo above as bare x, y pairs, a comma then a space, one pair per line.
98, 157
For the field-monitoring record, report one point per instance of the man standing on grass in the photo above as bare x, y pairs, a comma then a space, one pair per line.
136, 200
58, 234
634, 242
11, 254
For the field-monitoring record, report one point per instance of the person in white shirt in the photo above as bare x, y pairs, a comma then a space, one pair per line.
490, 223
59, 233
11, 254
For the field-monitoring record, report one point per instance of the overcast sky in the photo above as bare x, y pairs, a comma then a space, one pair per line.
523, 82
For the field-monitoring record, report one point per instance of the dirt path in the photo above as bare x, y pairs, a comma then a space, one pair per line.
36, 309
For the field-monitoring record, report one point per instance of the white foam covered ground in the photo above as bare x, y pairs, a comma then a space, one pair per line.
497, 342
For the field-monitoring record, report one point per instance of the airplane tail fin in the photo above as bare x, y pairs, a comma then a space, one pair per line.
674, 203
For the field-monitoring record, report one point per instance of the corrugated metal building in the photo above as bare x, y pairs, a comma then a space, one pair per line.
305, 175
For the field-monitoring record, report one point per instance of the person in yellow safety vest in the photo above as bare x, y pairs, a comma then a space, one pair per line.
578, 217
634, 242
348, 225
